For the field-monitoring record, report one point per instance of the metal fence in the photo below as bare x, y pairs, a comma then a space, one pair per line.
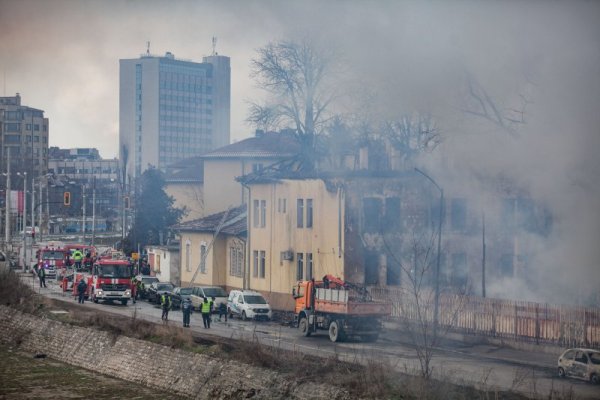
569, 326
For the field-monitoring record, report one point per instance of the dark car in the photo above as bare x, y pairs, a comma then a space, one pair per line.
180, 294
157, 289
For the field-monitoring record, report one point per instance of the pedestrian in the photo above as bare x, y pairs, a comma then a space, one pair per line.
186, 309
81, 289
205, 309
222, 311
212, 307
165, 302
42, 276
134, 287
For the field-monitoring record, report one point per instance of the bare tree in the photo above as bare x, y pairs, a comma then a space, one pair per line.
480, 103
296, 74
417, 296
413, 135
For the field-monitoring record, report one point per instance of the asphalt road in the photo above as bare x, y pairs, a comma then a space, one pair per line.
485, 366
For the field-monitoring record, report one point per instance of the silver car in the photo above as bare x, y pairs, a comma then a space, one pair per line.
580, 363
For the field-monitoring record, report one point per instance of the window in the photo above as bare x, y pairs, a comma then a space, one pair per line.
12, 127
203, 258
300, 213
393, 216
282, 205
263, 213
260, 213
372, 214
255, 264
236, 260
255, 212
459, 214
309, 266
299, 266
309, 213
261, 272
12, 139
187, 256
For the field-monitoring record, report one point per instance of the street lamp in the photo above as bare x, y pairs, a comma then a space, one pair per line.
436, 309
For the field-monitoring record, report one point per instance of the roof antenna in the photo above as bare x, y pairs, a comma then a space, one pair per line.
214, 44
148, 48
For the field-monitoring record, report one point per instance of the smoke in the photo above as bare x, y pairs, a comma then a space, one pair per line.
409, 56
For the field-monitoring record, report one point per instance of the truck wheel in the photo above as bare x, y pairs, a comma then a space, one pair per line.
124, 302
304, 327
335, 332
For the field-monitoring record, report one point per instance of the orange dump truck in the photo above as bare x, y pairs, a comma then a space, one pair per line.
341, 308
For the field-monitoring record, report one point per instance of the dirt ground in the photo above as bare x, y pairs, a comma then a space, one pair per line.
24, 377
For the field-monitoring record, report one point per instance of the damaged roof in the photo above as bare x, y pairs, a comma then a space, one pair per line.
234, 223
265, 145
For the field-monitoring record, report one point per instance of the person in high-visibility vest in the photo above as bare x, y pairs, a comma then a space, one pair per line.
165, 302
205, 310
77, 257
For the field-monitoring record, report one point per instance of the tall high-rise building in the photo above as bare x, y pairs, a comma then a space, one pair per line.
23, 133
171, 109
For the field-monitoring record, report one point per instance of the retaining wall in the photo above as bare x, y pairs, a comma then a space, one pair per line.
188, 374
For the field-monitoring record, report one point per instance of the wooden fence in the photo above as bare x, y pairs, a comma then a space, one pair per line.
569, 326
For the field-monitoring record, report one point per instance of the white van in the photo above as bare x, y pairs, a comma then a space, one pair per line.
247, 304
200, 292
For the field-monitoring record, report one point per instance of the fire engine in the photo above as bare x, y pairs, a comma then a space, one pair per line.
52, 258
110, 280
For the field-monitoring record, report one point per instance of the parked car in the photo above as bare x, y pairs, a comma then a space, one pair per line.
200, 292
146, 280
580, 363
157, 289
247, 304
180, 294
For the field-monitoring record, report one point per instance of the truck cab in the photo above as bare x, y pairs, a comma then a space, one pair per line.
111, 280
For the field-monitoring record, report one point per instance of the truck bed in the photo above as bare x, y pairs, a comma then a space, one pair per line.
337, 301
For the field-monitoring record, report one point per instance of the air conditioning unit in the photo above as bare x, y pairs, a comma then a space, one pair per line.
287, 255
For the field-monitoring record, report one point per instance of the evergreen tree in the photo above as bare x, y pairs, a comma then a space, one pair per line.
154, 211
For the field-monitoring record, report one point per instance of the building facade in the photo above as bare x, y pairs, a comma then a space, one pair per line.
171, 109
24, 133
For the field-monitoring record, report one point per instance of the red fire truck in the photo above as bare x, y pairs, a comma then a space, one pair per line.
111, 280
52, 258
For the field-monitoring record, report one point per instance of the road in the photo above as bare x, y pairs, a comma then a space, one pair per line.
484, 366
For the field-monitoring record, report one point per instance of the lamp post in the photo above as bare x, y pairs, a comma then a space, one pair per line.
7, 202
436, 309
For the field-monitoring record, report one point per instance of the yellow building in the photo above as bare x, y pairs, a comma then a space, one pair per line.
185, 183
296, 232
212, 249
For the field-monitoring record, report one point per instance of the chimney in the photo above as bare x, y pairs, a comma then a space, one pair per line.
259, 133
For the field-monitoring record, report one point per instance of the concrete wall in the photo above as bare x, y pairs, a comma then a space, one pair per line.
191, 375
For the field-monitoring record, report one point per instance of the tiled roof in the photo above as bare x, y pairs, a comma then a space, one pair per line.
235, 222
269, 144
187, 170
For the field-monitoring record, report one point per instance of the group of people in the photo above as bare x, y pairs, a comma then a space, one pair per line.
206, 310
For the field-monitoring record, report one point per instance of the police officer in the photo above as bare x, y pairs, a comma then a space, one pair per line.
186, 309
165, 302
205, 309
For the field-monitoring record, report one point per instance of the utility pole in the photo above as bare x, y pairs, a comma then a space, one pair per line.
93, 210
483, 256
7, 202
83, 222
40, 210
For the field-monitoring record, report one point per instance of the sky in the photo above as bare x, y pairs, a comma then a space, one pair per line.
399, 57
